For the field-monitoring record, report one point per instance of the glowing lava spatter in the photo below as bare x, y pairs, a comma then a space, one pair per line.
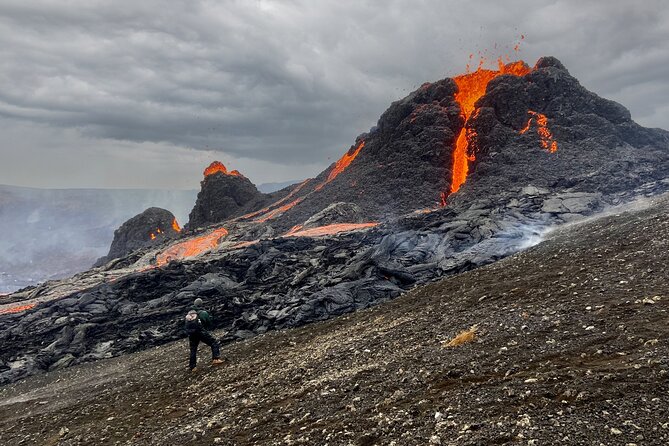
217, 167
342, 164
471, 86
545, 135
175, 225
191, 247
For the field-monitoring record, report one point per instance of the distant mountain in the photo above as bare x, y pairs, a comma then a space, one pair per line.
51, 233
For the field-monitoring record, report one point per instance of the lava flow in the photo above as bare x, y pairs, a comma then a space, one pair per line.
16, 309
471, 86
175, 225
272, 207
342, 164
218, 166
329, 229
278, 211
191, 247
545, 135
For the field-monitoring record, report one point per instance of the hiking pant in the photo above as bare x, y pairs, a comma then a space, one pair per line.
204, 336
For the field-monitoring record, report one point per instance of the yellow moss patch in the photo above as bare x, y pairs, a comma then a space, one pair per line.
463, 337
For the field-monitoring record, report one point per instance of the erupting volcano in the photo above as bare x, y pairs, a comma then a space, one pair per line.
471, 86
219, 167
314, 250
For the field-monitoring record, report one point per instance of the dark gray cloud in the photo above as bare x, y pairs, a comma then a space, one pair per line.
146, 92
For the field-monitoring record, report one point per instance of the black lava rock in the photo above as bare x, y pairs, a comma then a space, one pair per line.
151, 227
222, 195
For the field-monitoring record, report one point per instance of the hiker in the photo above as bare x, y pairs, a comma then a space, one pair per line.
198, 322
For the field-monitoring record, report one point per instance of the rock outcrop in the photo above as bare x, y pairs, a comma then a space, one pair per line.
151, 227
222, 195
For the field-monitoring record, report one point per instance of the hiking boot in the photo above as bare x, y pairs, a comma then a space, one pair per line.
193, 370
216, 361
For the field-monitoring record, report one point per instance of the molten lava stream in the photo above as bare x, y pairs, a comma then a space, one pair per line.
191, 247
471, 86
329, 229
273, 205
545, 135
16, 309
342, 164
244, 244
278, 211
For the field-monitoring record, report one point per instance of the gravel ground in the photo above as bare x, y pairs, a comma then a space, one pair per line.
570, 347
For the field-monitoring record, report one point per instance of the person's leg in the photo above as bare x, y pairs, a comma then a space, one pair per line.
194, 341
208, 339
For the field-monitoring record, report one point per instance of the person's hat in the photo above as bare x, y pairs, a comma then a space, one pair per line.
198, 302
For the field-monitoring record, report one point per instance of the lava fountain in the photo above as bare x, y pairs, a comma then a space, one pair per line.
471, 86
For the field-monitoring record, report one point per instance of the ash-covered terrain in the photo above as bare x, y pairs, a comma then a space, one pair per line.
459, 174
570, 347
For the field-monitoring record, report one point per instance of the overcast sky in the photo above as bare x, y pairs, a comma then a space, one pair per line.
147, 93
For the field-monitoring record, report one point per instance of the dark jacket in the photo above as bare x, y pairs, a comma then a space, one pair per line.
205, 318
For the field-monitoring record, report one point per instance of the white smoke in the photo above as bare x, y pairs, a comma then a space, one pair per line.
48, 234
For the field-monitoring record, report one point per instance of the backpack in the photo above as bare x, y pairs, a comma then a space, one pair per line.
192, 322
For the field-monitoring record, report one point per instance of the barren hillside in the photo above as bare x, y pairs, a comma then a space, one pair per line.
571, 347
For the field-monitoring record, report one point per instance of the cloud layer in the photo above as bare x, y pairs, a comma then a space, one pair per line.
147, 92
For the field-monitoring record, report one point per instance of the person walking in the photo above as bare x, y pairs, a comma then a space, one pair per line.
198, 323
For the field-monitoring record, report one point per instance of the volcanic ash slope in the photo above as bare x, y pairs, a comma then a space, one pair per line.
570, 347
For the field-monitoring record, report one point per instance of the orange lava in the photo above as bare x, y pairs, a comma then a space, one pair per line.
471, 86
277, 203
175, 225
545, 135
153, 236
342, 164
278, 211
244, 244
17, 309
294, 229
218, 166
330, 229
191, 247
